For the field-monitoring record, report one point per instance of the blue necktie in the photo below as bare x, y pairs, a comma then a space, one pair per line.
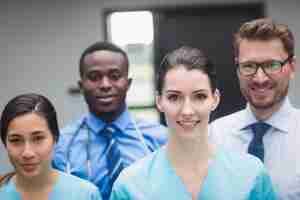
256, 146
115, 163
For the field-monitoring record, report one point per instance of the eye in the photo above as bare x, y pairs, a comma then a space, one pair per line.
38, 138
200, 96
92, 76
173, 97
115, 76
15, 141
248, 65
274, 65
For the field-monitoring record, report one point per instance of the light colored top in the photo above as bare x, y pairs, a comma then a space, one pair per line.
281, 144
230, 177
131, 144
66, 187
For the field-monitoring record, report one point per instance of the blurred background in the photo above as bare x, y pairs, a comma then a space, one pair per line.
41, 42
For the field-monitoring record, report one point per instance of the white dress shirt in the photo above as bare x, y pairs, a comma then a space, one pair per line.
281, 144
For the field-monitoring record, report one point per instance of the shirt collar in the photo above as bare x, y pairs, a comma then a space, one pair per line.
97, 124
282, 118
279, 120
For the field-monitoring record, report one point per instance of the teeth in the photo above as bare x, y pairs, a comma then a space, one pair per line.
188, 124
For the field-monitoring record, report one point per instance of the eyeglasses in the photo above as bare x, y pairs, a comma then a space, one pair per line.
250, 68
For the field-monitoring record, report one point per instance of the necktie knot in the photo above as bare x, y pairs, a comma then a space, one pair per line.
109, 131
259, 129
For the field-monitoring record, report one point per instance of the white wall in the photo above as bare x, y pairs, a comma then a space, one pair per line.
41, 42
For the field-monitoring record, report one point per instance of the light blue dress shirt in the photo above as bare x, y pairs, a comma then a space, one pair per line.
281, 144
230, 177
67, 187
75, 145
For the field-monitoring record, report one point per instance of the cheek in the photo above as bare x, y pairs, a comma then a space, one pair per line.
122, 87
48, 149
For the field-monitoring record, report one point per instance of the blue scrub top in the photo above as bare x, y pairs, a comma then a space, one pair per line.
66, 187
231, 176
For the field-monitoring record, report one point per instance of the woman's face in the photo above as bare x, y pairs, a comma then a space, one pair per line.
187, 101
30, 145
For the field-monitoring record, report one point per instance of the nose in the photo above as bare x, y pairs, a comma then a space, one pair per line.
260, 76
105, 83
28, 151
187, 108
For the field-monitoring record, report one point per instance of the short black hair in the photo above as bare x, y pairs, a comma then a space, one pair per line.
29, 103
101, 46
190, 58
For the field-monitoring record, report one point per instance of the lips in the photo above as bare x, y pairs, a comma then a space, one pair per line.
29, 166
261, 91
105, 99
188, 124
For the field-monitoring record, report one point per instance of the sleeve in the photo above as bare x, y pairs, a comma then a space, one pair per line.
59, 154
59, 159
155, 135
263, 188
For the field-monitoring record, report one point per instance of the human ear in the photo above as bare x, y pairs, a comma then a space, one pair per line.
216, 97
80, 85
129, 81
292, 67
158, 103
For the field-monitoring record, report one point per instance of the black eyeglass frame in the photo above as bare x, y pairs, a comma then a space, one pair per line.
261, 65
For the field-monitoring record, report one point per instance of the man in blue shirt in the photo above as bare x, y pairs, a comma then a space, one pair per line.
264, 54
107, 139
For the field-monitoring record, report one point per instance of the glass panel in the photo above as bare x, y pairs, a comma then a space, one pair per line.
133, 31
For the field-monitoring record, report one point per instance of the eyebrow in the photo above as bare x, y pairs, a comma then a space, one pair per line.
14, 134
177, 91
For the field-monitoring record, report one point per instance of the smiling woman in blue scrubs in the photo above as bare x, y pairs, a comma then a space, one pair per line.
189, 166
29, 131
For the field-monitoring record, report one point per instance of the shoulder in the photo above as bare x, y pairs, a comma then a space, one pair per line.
246, 173
7, 188
241, 168
228, 120
153, 132
70, 184
72, 127
242, 162
225, 127
67, 133
150, 126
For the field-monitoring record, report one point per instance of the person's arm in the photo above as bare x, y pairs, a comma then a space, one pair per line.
263, 188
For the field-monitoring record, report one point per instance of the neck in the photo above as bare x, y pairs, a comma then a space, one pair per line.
109, 117
36, 184
262, 114
190, 152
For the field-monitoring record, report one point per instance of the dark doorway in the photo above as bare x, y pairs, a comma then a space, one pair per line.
210, 28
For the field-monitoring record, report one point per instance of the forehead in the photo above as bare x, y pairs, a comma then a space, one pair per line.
104, 59
27, 124
182, 79
260, 50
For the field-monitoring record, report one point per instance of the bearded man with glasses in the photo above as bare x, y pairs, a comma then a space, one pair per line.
268, 126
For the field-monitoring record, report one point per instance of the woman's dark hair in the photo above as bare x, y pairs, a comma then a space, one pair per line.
29, 103
190, 58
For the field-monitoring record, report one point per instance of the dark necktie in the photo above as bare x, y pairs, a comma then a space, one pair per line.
256, 146
115, 163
